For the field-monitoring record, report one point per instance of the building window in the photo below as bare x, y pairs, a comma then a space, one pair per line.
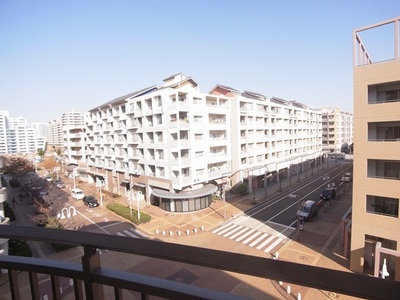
383, 206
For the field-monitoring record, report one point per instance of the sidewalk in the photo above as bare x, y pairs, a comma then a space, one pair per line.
319, 244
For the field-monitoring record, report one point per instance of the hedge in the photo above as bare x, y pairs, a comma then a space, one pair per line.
125, 212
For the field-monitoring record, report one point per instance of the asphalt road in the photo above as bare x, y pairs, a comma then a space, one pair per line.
278, 215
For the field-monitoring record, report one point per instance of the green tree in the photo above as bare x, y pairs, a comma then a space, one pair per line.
41, 153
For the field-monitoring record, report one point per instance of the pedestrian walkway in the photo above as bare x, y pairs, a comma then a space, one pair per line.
251, 237
132, 233
319, 244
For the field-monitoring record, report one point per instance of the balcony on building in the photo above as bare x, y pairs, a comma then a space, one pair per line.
383, 169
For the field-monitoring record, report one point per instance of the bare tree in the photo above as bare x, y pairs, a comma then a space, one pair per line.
16, 166
48, 206
49, 164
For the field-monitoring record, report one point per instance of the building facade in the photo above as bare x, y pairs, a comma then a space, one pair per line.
175, 146
17, 136
375, 229
337, 129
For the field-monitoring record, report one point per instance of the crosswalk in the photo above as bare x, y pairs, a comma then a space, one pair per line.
249, 236
131, 232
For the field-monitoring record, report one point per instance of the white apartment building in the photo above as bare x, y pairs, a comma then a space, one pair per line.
337, 129
55, 134
40, 129
21, 136
175, 146
74, 137
271, 138
4, 125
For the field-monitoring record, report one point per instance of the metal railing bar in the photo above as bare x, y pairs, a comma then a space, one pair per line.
157, 286
362, 286
43, 266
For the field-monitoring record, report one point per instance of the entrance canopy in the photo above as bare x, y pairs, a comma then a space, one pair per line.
203, 191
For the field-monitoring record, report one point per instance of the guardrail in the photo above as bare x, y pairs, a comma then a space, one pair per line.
89, 277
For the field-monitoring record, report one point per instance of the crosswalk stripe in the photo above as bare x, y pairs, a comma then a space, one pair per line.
252, 237
222, 227
262, 245
273, 245
249, 236
226, 229
258, 240
238, 233
130, 234
245, 235
232, 231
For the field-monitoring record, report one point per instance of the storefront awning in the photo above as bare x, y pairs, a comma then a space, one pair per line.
203, 191
220, 181
70, 168
95, 173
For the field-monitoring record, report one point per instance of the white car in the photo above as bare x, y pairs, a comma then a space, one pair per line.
77, 194
347, 177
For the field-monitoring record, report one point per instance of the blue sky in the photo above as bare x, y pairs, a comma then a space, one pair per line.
57, 56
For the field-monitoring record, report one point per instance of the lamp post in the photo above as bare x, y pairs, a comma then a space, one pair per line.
73, 176
138, 205
101, 193
224, 197
134, 194
265, 183
130, 201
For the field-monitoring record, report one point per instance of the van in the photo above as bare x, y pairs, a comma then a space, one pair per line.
307, 210
77, 194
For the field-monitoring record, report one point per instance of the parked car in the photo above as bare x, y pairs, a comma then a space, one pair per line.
308, 210
347, 177
331, 185
90, 201
59, 183
77, 194
49, 178
328, 194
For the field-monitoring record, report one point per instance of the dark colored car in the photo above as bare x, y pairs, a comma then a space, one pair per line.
308, 210
59, 183
90, 201
328, 194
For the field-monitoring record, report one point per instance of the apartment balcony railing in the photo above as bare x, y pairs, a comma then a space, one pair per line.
90, 278
361, 56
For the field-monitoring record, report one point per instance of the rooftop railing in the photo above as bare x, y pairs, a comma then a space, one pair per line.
89, 277
378, 37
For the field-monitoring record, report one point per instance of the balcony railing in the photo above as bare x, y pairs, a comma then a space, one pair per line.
89, 278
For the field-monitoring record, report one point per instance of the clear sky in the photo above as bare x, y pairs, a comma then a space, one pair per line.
57, 56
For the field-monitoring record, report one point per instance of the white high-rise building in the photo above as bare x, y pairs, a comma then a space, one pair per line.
4, 124
337, 129
175, 146
17, 135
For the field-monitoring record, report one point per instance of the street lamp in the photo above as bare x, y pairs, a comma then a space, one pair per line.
265, 183
100, 184
73, 176
131, 195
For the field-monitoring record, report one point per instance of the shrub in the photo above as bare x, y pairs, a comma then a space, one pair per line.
125, 212
61, 247
14, 183
241, 189
19, 248
8, 211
